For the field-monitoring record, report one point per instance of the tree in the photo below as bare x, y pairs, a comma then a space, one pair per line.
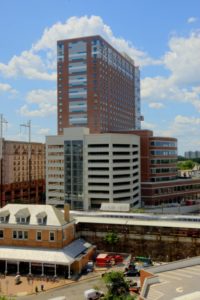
111, 238
186, 165
118, 288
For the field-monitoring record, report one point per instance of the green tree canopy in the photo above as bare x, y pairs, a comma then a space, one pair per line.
118, 288
186, 165
111, 238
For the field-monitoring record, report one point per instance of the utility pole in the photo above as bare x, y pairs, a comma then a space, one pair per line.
2, 122
28, 125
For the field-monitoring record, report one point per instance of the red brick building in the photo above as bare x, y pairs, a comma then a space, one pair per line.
22, 172
160, 183
97, 86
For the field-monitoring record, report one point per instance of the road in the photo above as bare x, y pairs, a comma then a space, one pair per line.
74, 291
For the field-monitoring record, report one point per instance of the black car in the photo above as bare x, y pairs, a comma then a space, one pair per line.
132, 272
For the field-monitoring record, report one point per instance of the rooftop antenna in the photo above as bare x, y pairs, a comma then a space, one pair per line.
28, 125
2, 122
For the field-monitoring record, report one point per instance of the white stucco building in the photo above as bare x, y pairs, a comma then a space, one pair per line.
86, 169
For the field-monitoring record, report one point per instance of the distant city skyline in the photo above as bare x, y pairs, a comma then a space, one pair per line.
163, 38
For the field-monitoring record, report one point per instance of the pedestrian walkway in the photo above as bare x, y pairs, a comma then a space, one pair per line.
8, 286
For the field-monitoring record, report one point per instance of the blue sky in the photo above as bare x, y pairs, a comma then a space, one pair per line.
163, 37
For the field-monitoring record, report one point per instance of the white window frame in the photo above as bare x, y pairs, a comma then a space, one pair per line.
14, 238
17, 235
2, 219
24, 235
1, 230
37, 236
40, 221
50, 236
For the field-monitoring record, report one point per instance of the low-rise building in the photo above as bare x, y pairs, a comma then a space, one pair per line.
36, 237
161, 237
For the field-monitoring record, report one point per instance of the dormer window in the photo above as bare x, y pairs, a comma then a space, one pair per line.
2, 219
40, 221
41, 218
22, 220
22, 216
4, 216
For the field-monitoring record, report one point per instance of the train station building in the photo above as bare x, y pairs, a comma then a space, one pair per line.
40, 239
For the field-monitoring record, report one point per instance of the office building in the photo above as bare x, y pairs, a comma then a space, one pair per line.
160, 183
192, 154
86, 169
22, 172
98, 87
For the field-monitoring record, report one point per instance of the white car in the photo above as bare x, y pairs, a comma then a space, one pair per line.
93, 294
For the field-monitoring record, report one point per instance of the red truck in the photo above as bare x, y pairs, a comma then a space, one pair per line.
105, 260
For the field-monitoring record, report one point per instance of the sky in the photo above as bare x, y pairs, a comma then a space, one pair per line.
163, 38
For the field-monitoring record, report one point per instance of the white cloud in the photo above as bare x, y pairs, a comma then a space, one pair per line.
40, 103
28, 65
41, 96
185, 129
192, 20
156, 105
85, 26
183, 59
183, 82
7, 88
43, 131
39, 62
184, 120
148, 125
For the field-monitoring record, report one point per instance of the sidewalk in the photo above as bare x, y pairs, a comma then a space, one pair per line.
9, 288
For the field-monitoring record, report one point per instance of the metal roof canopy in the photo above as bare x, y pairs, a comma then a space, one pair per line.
64, 256
35, 255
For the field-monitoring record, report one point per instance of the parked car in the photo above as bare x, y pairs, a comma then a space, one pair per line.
132, 272
89, 267
93, 294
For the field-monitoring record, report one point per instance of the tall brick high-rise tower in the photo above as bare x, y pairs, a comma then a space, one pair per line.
98, 87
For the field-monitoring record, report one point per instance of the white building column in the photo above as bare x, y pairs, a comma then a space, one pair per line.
55, 270
6, 267
18, 267
69, 271
30, 267
42, 270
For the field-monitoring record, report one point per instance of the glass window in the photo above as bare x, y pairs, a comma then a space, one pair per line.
14, 234
1, 234
52, 236
38, 235
26, 235
20, 235
1, 219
